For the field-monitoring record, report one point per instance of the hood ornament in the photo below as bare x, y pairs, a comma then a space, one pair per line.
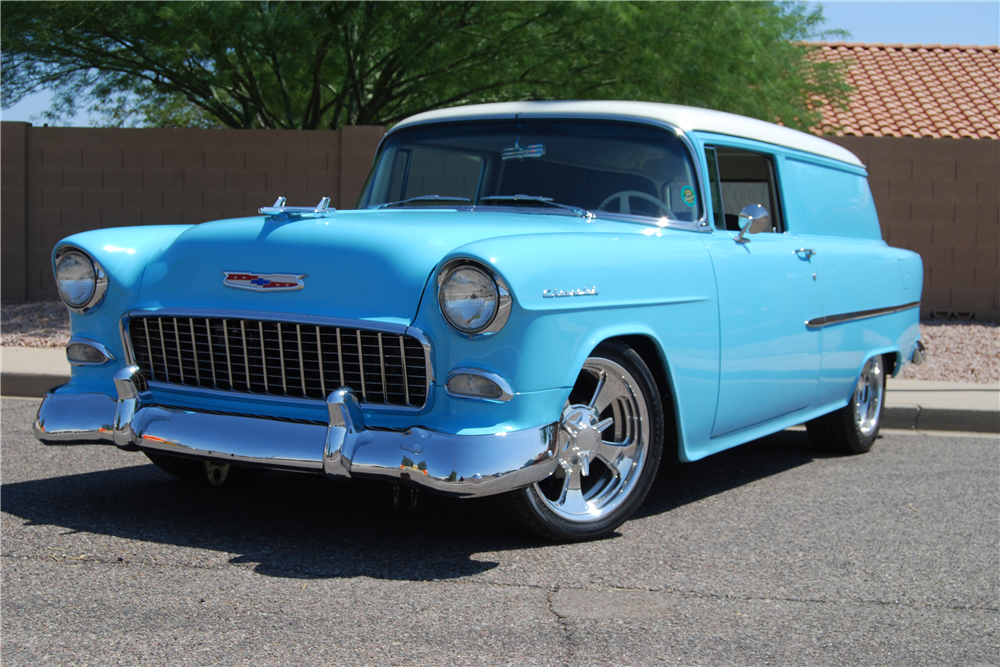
264, 282
279, 212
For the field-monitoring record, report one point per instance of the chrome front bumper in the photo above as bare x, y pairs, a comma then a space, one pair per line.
455, 465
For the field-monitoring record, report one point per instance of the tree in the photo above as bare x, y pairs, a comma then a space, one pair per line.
323, 65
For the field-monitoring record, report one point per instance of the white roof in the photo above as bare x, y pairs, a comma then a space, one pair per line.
686, 119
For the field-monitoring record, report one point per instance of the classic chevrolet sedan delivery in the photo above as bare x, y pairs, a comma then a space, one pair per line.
537, 301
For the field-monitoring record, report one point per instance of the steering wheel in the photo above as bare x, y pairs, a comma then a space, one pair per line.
623, 196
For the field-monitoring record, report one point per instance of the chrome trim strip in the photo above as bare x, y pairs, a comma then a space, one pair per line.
361, 364
194, 351
508, 392
340, 359
229, 358
211, 352
859, 315
281, 355
406, 380
381, 363
177, 343
123, 330
263, 355
159, 390
163, 349
302, 358
267, 316
322, 371
246, 354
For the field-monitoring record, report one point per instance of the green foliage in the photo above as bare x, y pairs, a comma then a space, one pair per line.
323, 65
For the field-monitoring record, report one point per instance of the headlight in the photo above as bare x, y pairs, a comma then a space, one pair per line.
473, 300
80, 280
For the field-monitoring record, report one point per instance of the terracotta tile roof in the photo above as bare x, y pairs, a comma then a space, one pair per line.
917, 90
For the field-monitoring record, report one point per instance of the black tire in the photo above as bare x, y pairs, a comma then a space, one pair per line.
854, 428
195, 471
572, 505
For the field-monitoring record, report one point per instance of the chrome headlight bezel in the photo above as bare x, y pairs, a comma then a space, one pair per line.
504, 300
100, 281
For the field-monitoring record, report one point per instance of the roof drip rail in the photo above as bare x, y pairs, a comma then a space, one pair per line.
279, 212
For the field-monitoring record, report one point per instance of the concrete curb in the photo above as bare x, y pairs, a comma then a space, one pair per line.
29, 385
915, 417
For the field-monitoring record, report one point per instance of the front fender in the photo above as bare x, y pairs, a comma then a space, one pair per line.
659, 285
124, 254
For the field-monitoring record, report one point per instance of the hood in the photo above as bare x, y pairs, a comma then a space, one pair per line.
365, 265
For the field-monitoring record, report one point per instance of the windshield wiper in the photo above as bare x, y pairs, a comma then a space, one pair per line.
421, 198
582, 212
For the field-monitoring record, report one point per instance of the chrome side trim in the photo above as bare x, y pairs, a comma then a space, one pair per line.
859, 315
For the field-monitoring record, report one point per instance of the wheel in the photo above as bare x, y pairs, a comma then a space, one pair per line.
610, 442
853, 428
624, 207
202, 472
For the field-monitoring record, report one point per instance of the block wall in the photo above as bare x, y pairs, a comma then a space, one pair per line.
939, 198
60, 181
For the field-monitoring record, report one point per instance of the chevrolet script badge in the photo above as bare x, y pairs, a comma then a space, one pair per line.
264, 282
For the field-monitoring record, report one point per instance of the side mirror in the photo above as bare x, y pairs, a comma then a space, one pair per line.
754, 219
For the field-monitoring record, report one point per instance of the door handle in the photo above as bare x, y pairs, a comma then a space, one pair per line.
809, 252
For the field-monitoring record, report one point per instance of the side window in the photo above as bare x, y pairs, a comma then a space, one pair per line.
746, 178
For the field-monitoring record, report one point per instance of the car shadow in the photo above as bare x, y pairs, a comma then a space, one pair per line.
299, 526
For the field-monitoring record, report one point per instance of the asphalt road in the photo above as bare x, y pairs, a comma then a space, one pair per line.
774, 553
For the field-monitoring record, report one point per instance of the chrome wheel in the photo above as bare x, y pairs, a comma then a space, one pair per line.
602, 444
868, 396
853, 428
609, 446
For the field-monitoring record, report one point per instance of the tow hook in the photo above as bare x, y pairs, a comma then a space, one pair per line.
216, 473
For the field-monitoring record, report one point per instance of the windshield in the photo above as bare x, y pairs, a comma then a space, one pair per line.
553, 165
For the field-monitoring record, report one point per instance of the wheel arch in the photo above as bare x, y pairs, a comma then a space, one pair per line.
653, 355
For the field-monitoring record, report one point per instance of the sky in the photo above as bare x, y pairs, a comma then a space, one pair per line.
905, 22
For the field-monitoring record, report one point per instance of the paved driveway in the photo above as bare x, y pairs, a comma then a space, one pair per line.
774, 553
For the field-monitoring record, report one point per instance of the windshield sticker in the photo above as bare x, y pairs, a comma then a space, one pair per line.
517, 152
687, 194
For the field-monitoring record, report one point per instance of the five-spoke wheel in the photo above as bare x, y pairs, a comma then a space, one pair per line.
610, 441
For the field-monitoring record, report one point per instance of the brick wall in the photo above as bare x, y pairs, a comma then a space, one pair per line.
939, 197
60, 181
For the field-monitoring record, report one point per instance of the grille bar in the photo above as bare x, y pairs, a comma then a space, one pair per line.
269, 358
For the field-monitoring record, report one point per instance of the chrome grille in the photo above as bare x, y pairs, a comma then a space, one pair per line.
280, 358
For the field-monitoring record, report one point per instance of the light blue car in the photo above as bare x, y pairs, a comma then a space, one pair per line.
533, 300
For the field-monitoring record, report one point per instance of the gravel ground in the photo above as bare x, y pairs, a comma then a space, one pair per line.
957, 351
